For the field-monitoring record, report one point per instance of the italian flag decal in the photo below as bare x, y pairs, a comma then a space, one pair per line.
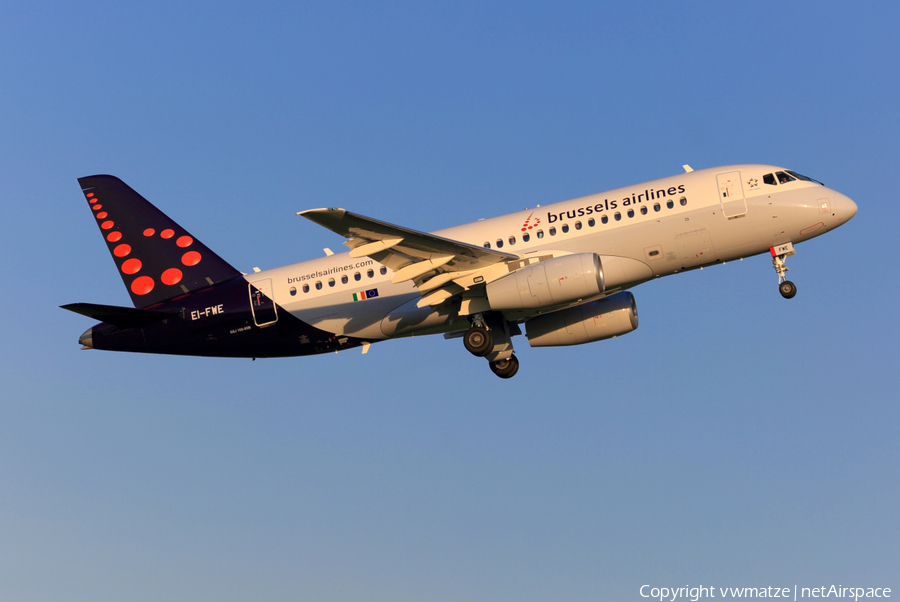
363, 295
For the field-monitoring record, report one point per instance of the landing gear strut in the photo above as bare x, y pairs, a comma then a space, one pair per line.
779, 254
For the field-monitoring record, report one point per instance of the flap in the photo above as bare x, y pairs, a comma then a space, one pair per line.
431, 262
404, 243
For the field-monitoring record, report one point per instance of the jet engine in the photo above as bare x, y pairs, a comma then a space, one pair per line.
594, 321
559, 280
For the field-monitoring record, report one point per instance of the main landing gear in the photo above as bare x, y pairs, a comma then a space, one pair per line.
489, 337
505, 368
779, 254
478, 341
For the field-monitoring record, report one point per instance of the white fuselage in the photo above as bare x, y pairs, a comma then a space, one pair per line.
640, 232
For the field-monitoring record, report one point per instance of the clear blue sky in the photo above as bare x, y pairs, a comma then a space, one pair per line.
734, 439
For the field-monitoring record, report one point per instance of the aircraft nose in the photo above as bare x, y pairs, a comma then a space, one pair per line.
846, 208
87, 339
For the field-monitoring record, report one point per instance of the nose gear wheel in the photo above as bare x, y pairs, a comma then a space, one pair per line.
787, 289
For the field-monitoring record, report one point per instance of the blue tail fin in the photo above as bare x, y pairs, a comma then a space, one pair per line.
157, 258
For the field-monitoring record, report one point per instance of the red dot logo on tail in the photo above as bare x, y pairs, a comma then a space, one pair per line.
132, 266
190, 258
142, 285
171, 276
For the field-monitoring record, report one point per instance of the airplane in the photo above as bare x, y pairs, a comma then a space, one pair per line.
562, 271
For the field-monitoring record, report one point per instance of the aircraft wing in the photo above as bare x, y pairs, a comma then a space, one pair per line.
431, 262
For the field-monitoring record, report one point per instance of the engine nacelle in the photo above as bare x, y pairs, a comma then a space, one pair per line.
594, 321
558, 280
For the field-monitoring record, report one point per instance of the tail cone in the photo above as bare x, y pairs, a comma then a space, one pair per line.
87, 339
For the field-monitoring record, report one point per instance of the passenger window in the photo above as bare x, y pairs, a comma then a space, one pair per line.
305, 288
618, 216
591, 222
578, 225
512, 240
540, 234
357, 276
784, 178
656, 207
605, 219
331, 282
769, 178
670, 203
293, 291
552, 231
565, 228
631, 213
318, 285
499, 243
370, 273
526, 237
643, 209
487, 245
683, 201
383, 270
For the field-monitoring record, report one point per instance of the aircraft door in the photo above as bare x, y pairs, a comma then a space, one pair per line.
731, 194
262, 303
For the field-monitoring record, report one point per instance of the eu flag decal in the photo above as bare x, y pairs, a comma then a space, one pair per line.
363, 295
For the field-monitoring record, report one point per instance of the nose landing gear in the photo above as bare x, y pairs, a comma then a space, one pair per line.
779, 254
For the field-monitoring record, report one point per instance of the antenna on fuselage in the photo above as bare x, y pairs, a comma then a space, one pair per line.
687, 168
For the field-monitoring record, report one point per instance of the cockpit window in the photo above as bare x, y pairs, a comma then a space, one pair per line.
802, 177
784, 177
769, 178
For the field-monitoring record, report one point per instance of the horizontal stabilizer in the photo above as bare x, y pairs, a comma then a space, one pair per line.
121, 317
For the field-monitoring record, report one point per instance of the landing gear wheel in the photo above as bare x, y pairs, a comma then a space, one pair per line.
478, 341
787, 289
505, 368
